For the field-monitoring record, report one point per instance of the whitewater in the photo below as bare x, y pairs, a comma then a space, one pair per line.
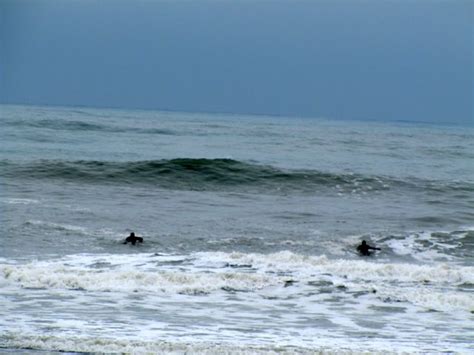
250, 225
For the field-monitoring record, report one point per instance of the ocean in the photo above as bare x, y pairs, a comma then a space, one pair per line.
250, 227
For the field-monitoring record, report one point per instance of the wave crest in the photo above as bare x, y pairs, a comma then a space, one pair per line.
192, 174
216, 174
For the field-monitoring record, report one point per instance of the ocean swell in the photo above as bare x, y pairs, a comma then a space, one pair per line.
85, 126
213, 174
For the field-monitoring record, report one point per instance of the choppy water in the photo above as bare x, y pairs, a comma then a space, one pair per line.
250, 227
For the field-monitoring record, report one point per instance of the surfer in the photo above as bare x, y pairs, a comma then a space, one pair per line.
133, 239
364, 248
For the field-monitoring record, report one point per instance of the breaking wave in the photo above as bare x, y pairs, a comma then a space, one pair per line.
17, 340
198, 274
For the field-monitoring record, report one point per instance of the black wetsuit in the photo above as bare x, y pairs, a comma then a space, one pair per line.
132, 239
364, 249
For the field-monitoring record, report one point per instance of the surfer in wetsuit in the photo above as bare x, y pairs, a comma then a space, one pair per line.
133, 239
364, 248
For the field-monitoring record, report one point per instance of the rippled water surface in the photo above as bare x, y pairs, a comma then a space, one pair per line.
250, 227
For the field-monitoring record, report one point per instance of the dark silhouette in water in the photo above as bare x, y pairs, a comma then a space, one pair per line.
364, 248
132, 239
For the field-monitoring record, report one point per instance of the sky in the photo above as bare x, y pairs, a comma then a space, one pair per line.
408, 60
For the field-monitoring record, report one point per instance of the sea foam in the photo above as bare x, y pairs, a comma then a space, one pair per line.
429, 286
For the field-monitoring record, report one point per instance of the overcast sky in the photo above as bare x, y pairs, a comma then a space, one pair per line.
382, 60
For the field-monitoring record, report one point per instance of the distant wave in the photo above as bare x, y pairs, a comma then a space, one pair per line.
78, 125
214, 174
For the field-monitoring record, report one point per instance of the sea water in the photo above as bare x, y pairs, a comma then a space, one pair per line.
250, 226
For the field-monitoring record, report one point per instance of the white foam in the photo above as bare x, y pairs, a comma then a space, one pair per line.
203, 273
359, 269
58, 226
413, 245
21, 201
128, 278
441, 300
139, 346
